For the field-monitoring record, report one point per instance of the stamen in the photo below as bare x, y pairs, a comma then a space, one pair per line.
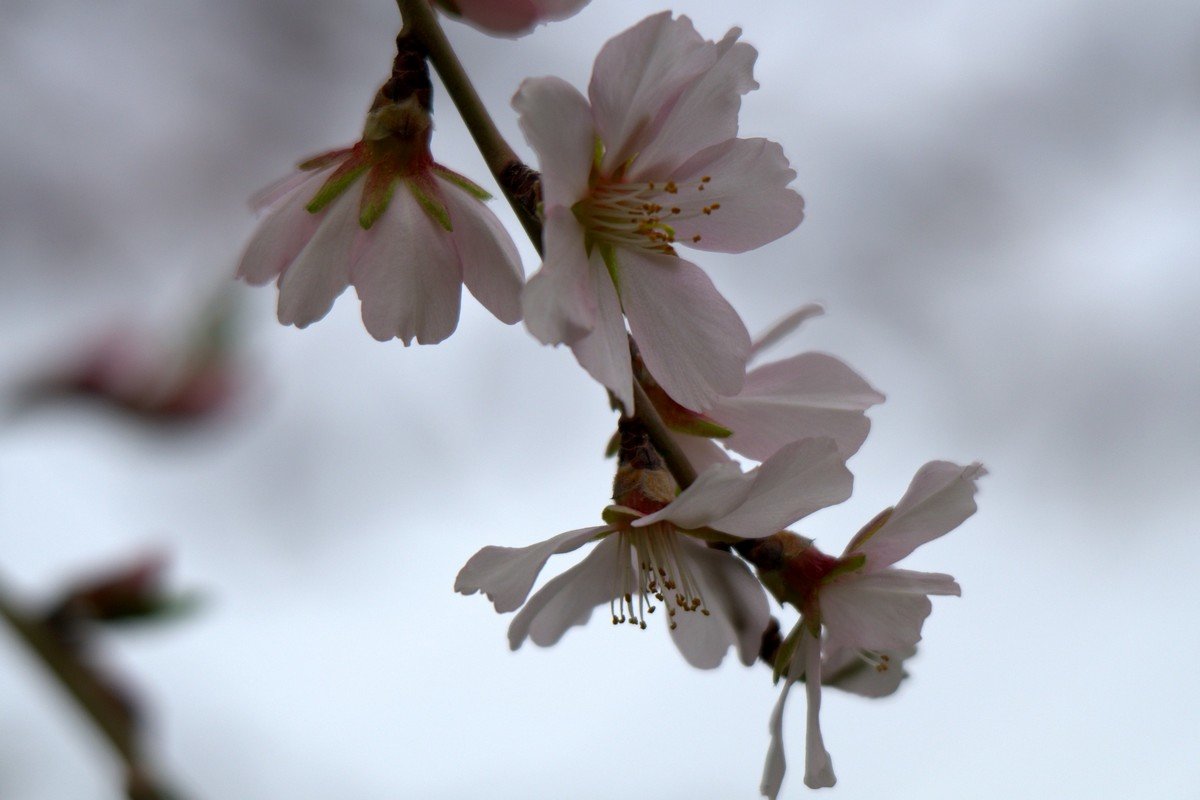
631, 214
659, 568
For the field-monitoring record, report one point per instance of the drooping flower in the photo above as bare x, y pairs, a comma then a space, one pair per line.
807, 395
382, 215
649, 161
511, 17
859, 607
652, 548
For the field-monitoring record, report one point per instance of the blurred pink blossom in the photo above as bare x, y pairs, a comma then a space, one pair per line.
511, 17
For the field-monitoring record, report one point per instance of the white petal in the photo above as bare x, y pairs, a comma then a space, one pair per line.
701, 453
408, 275
776, 763
843, 668
604, 352
557, 123
490, 263
705, 114
559, 302
808, 395
907, 581
860, 615
638, 76
939, 498
801, 478
321, 271
781, 329
283, 233
690, 338
749, 179
818, 766
737, 605
568, 600
506, 574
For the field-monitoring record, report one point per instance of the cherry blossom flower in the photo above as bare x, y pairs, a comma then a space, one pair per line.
860, 607
651, 548
511, 17
648, 161
807, 395
382, 215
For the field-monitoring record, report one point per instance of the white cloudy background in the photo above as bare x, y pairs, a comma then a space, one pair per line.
1003, 223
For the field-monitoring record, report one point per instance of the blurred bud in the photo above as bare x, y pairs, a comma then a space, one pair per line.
132, 591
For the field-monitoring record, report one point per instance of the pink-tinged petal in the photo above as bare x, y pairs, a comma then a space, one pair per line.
408, 275
557, 123
868, 617
748, 200
692, 341
801, 478
705, 114
784, 327
283, 232
737, 606
568, 600
321, 271
559, 302
846, 669
907, 581
818, 766
506, 574
491, 265
800, 397
638, 76
509, 17
604, 352
701, 453
940, 497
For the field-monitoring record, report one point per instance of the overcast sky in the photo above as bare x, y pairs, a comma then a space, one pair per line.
1003, 207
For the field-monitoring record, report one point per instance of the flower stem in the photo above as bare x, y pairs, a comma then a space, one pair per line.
420, 21
91, 697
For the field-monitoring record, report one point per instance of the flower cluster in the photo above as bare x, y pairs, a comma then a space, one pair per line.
643, 167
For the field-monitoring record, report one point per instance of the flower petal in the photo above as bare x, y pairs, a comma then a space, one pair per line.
321, 271
408, 275
801, 478
818, 766
781, 329
776, 763
690, 338
705, 114
737, 605
843, 668
557, 123
808, 395
638, 76
506, 574
858, 614
568, 600
748, 200
283, 232
701, 453
940, 497
604, 352
490, 263
559, 302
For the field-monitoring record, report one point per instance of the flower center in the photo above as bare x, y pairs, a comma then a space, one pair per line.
641, 215
653, 568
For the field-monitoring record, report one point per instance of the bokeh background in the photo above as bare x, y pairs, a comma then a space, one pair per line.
1004, 224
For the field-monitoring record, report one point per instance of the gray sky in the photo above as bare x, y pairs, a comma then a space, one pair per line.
1002, 221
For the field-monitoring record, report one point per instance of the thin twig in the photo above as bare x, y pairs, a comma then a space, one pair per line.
80, 682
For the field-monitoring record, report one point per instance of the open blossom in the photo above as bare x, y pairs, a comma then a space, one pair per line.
407, 232
650, 160
860, 608
511, 17
649, 551
807, 395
